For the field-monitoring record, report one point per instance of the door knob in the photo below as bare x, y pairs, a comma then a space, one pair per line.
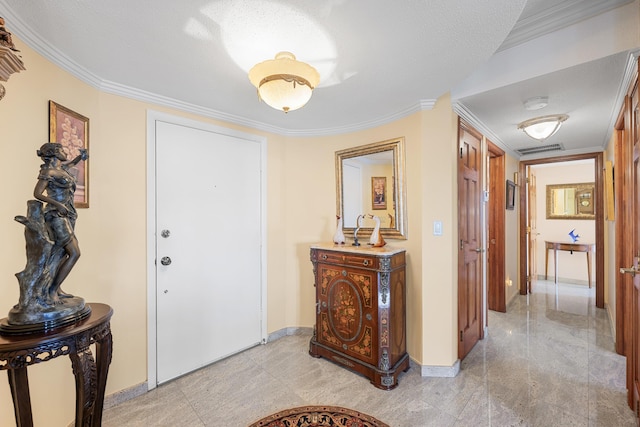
479, 250
631, 270
165, 233
165, 260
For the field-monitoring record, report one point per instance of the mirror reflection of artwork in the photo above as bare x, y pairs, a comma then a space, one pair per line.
571, 201
371, 178
366, 181
378, 192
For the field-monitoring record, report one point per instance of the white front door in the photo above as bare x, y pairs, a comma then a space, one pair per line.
208, 234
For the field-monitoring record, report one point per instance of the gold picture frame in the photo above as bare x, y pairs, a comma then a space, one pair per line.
379, 192
571, 201
71, 130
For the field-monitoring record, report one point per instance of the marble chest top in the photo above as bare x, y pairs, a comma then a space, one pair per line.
364, 249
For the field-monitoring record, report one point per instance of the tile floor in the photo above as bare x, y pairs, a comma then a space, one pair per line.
548, 361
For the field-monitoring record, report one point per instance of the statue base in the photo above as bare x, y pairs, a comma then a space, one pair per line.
68, 312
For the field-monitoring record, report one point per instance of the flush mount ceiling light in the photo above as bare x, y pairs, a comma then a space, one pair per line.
541, 128
284, 83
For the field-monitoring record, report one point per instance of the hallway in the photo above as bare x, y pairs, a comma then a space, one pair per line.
548, 361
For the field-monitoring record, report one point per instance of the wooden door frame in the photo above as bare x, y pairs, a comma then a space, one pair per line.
532, 226
622, 238
598, 159
495, 269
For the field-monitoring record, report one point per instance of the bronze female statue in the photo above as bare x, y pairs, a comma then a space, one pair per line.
56, 186
52, 249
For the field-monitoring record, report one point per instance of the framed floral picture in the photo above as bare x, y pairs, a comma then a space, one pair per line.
72, 131
378, 192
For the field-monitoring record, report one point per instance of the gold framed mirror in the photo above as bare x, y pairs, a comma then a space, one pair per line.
571, 201
370, 179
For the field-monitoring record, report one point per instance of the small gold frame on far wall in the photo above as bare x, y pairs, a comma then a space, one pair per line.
378, 192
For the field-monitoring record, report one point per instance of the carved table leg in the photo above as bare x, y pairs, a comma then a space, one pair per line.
84, 370
103, 356
19, 384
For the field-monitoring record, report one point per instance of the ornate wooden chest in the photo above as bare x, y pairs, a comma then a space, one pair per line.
360, 310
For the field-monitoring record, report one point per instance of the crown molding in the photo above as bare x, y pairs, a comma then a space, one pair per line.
421, 105
629, 74
54, 55
47, 50
461, 110
557, 17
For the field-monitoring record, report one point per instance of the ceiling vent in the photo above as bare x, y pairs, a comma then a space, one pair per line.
540, 149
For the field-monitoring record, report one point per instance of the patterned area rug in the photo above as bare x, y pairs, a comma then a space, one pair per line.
319, 416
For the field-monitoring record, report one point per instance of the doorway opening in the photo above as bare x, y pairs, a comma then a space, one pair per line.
529, 235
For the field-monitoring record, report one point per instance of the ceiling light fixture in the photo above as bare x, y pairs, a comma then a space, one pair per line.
541, 128
284, 83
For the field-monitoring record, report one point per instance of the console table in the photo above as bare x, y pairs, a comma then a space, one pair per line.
570, 247
17, 352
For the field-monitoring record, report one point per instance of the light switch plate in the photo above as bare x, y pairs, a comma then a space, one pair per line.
437, 228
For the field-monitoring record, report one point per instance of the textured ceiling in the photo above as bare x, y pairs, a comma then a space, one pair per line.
378, 60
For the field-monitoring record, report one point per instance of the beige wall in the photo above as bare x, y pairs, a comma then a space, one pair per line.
112, 232
300, 211
438, 198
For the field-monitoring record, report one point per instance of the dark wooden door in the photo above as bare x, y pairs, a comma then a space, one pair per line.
636, 278
624, 221
470, 319
635, 245
496, 298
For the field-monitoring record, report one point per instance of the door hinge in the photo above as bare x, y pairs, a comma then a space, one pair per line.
461, 244
526, 180
461, 336
528, 230
460, 152
528, 278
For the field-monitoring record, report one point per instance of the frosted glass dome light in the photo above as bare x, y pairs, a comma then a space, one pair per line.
541, 128
284, 83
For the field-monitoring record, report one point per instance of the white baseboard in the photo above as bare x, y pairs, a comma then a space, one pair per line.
440, 371
289, 331
121, 396
565, 280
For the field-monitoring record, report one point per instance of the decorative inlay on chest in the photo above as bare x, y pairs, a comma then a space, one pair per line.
360, 316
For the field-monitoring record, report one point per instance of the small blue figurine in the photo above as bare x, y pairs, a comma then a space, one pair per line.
574, 236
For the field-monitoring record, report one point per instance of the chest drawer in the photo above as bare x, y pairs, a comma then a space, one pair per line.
348, 259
